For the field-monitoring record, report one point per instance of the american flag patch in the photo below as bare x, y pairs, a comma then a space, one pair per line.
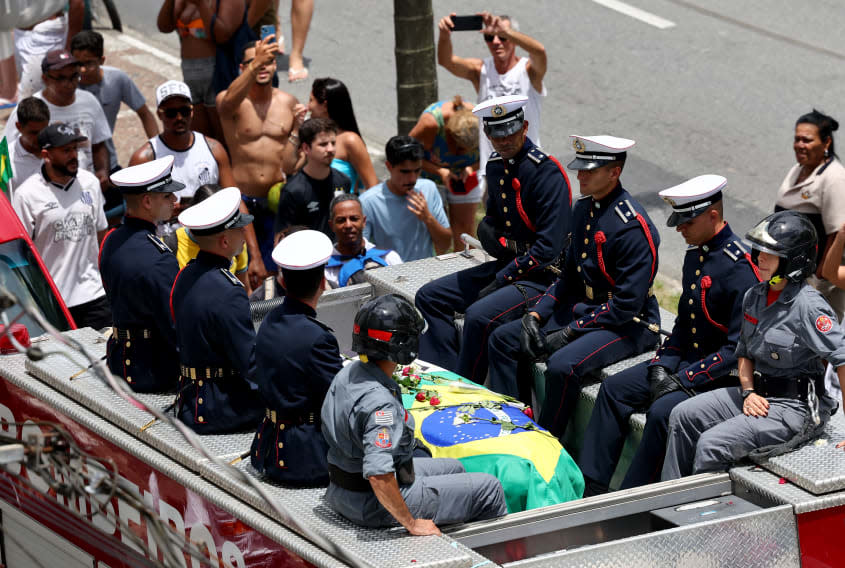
86, 198
383, 417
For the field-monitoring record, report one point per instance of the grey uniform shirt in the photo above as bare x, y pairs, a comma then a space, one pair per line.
792, 336
364, 422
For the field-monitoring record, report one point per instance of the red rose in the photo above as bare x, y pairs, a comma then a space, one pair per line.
528, 412
406, 371
420, 396
434, 401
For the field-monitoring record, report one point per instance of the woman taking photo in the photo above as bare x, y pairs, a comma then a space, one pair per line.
815, 186
788, 332
448, 132
330, 99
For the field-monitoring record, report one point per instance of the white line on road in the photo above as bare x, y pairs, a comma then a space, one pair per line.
126, 38
636, 13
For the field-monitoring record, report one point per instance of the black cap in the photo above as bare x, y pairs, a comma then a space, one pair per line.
59, 134
57, 59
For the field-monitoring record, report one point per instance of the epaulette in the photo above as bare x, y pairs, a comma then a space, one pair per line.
321, 324
162, 248
625, 210
735, 250
537, 155
494, 156
231, 277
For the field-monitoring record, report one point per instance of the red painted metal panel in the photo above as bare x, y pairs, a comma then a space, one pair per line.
230, 541
820, 538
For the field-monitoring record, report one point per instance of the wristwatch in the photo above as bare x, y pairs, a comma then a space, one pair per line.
745, 393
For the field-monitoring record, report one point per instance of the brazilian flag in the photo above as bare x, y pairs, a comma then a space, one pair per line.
490, 433
5, 166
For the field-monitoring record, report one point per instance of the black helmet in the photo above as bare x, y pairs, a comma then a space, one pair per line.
790, 236
388, 328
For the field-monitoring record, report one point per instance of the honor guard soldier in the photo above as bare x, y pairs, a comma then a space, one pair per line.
138, 271
213, 327
288, 445
375, 480
698, 356
526, 227
606, 282
788, 335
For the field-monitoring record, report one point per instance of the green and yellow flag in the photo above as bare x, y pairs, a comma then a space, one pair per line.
491, 433
5, 166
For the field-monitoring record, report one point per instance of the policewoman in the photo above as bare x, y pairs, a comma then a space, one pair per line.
525, 229
375, 480
788, 329
138, 271
213, 326
296, 358
697, 357
584, 322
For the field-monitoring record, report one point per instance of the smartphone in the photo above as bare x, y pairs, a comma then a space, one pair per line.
270, 30
467, 23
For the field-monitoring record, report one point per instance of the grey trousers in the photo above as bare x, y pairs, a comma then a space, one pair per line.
710, 433
442, 492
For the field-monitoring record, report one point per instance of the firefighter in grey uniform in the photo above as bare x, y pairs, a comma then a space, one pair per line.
788, 329
374, 480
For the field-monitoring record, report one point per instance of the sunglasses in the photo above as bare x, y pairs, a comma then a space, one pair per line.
66, 79
489, 38
181, 111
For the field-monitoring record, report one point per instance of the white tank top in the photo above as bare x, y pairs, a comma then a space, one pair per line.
194, 167
514, 82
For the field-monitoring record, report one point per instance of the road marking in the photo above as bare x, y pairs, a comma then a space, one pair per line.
636, 13
166, 57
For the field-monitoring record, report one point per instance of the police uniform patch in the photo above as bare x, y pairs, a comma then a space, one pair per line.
824, 324
162, 248
383, 439
231, 278
384, 417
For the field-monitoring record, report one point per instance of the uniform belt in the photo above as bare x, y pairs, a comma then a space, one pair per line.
274, 417
786, 387
592, 293
127, 334
522, 247
356, 482
200, 373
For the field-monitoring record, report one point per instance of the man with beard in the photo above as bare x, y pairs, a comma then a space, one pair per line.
305, 200
352, 253
261, 125
406, 212
138, 271
198, 159
61, 207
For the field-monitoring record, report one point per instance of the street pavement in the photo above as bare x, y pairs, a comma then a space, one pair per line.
716, 90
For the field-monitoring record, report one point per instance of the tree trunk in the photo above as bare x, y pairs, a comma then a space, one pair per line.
416, 71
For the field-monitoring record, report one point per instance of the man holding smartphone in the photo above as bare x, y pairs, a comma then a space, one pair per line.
502, 73
261, 125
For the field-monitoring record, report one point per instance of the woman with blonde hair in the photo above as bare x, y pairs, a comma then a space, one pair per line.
449, 133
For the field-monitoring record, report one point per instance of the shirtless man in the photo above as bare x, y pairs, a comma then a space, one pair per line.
261, 125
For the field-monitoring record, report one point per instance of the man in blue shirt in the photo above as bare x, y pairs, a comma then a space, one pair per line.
405, 213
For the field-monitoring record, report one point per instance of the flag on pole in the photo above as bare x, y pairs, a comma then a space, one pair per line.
5, 166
